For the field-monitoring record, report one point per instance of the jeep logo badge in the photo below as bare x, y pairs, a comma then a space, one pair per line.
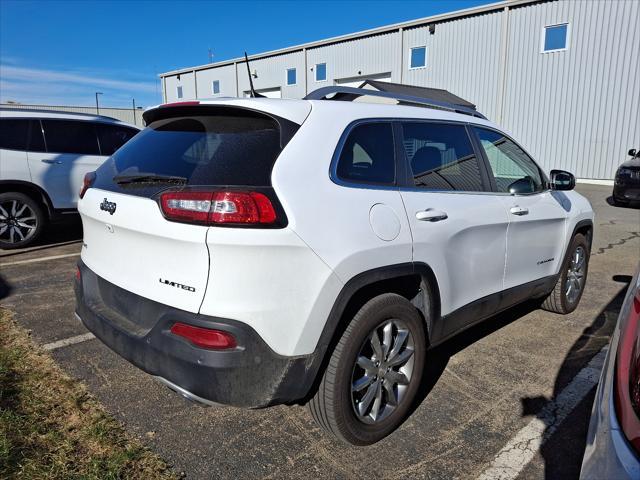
108, 206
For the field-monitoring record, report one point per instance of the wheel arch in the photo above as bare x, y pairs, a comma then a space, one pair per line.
30, 189
414, 281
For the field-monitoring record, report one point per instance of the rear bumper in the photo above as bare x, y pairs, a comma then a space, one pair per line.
138, 329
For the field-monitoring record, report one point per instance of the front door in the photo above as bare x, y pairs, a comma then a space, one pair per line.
537, 216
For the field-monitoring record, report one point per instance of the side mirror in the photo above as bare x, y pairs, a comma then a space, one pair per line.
561, 180
632, 152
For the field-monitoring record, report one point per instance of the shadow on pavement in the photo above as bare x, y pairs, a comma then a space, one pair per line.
5, 288
562, 451
438, 357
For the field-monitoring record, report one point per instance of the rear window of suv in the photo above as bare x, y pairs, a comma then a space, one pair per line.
206, 150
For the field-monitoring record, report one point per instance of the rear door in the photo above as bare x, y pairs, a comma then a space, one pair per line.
127, 239
458, 228
72, 150
537, 216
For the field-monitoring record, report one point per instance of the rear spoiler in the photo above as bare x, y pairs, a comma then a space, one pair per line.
194, 108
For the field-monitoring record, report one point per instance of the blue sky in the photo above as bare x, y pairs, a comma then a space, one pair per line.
62, 52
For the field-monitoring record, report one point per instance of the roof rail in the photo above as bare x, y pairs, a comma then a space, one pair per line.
6, 108
350, 94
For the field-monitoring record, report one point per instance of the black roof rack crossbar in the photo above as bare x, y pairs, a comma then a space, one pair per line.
350, 93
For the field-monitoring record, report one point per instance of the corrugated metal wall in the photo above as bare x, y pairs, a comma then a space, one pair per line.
122, 114
577, 109
356, 58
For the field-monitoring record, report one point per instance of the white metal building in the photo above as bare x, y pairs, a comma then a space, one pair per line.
563, 76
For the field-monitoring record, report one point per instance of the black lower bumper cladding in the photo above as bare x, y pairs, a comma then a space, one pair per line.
138, 329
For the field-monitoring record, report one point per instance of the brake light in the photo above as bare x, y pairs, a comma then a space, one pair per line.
78, 275
627, 381
89, 178
204, 337
180, 104
218, 207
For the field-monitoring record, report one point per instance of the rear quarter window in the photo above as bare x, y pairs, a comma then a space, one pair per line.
367, 155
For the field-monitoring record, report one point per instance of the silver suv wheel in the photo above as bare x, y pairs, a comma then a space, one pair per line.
21, 220
382, 371
576, 274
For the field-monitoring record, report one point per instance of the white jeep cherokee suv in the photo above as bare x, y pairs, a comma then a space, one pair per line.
44, 156
254, 252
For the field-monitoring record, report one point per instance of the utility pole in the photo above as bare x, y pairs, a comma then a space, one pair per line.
97, 107
134, 111
210, 55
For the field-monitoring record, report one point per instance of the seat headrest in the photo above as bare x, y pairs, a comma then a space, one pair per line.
426, 159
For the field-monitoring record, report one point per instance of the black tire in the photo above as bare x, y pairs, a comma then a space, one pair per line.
31, 217
558, 300
620, 203
333, 407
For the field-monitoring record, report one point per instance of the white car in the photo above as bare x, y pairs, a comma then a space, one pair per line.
262, 251
44, 156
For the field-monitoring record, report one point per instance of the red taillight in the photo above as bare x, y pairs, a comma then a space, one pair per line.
627, 381
78, 277
89, 178
204, 337
218, 207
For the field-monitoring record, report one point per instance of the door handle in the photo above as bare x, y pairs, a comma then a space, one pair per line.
519, 210
431, 215
51, 162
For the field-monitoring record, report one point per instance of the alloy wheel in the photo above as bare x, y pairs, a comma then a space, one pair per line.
382, 371
576, 274
18, 222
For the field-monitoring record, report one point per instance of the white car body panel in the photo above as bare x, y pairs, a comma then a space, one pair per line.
61, 174
255, 272
14, 165
533, 249
469, 245
136, 247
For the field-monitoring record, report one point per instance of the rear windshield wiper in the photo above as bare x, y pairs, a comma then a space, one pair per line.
148, 178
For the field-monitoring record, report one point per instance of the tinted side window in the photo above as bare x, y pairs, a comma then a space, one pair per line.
36, 139
112, 137
441, 157
513, 170
13, 133
368, 154
70, 136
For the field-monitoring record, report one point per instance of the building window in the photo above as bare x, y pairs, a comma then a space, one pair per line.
291, 76
554, 37
321, 72
179, 91
418, 58
215, 87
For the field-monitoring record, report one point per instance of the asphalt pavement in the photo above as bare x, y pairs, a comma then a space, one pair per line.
482, 389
